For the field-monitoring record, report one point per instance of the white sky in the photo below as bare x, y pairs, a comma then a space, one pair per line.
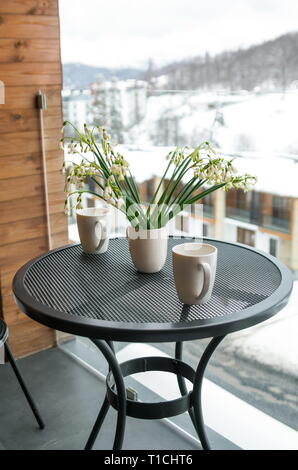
116, 33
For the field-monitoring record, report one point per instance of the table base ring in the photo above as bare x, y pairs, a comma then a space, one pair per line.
164, 409
189, 401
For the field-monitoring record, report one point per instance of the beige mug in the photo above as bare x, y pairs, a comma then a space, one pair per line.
94, 229
194, 267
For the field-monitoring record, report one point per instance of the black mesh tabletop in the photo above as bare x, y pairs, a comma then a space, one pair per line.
103, 296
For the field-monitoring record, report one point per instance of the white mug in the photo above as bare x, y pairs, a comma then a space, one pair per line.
94, 229
194, 266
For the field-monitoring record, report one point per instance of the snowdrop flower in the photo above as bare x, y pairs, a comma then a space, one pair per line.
120, 203
119, 171
63, 125
72, 148
108, 194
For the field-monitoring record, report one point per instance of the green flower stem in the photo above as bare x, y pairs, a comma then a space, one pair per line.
98, 184
183, 197
188, 189
134, 187
181, 170
204, 193
101, 161
161, 200
164, 193
177, 181
160, 183
185, 193
84, 191
131, 189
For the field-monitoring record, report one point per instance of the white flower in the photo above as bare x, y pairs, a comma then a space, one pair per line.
72, 147
108, 194
120, 203
119, 170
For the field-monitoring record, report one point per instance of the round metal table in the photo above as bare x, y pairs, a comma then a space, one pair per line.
105, 299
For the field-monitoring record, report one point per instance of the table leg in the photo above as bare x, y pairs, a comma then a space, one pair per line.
107, 350
181, 381
98, 423
197, 390
101, 415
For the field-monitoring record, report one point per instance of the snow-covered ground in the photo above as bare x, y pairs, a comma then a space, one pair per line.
263, 123
272, 343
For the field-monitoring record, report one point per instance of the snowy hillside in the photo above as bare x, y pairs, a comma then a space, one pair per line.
250, 123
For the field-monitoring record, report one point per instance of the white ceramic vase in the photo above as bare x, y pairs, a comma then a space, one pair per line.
148, 248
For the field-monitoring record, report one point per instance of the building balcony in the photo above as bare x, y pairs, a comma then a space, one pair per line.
269, 222
208, 210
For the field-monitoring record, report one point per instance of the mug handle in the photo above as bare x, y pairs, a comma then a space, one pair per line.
101, 228
207, 278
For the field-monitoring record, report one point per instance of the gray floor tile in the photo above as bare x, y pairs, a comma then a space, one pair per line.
68, 397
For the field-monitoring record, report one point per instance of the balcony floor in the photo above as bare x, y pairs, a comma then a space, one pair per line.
68, 397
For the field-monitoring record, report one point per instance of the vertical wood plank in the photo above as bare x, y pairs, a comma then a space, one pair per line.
30, 61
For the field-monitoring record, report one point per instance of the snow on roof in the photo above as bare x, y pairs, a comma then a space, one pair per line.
274, 175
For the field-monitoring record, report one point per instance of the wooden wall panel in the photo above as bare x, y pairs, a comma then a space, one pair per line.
14, 255
14, 143
40, 336
19, 188
28, 26
14, 166
23, 97
12, 313
20, 230
30, 7
20, 74
23, 120
28, 186
17, 209
29, 62
29, 50
6, 280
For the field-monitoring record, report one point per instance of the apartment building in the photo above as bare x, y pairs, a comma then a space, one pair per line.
265, 220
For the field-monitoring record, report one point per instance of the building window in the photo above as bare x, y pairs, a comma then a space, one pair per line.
208, 205
245, 236
182, 223
273, 246
244, 206
281, 212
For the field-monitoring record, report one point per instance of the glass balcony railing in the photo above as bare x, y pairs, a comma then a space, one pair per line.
272, 223
239, 214
147, 123
208, 210
276, 224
